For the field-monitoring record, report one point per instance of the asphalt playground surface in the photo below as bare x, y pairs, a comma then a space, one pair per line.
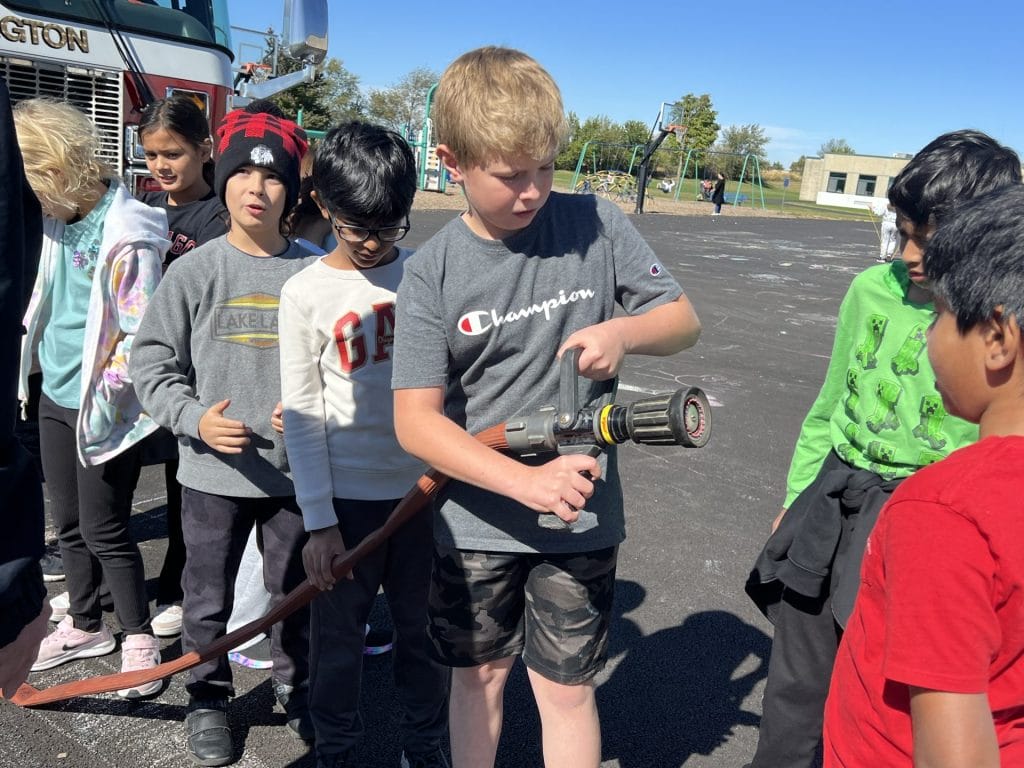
688, 654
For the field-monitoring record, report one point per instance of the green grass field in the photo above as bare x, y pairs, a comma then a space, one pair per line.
776, 198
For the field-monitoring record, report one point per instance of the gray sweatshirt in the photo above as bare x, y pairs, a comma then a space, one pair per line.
210, 334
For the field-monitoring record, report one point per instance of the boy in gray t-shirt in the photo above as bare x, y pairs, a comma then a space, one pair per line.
483, 312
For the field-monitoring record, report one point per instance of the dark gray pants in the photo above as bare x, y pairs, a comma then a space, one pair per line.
799, 670
402, 566
91, 508
216, 529
805, 643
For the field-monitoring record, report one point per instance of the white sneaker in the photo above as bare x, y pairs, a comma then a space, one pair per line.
59, 606
66, 644
376, 645
140, 652
167, 620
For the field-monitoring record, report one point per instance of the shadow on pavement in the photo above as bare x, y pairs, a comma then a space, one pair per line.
678, 691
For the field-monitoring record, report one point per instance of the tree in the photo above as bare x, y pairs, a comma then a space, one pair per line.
744, 140
401, 106
741, 140
635, 132
330, 99
700, 119
836, 147
570, 153
600, 130
797, 166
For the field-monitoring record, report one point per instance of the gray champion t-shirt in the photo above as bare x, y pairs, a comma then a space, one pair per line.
484, 318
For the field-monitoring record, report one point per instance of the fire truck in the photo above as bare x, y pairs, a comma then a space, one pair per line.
112, 57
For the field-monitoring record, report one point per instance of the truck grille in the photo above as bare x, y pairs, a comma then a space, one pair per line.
96, 92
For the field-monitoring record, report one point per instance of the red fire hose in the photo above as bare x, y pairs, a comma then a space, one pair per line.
411, 503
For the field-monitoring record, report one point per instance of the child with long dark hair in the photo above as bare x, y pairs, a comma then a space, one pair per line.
175, 137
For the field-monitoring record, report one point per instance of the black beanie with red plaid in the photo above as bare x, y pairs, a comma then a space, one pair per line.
262, 140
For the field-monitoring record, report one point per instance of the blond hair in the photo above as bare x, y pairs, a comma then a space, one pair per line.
59, 144
496, 104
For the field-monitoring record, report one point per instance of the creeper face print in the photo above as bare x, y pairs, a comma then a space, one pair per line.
879, 450
928, 457
885, 417
882, 455
853, 386
846, 450
907, 360
930, 427
867, 350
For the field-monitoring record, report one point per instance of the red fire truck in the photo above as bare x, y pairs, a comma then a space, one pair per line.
112, 57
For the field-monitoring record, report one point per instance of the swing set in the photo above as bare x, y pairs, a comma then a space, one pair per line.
750, 173
608, 169
612, 170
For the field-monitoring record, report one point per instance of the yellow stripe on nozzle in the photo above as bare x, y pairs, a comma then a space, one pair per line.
602, 424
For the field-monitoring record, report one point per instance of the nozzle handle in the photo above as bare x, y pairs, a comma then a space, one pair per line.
568, 392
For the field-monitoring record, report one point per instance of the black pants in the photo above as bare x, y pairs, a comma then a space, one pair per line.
799, 670
216, 529
162, 448
402, 566
91, 507
168, 589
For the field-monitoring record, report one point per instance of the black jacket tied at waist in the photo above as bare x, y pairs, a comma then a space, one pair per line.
817, 549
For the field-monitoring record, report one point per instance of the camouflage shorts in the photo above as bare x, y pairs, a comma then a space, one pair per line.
554, 609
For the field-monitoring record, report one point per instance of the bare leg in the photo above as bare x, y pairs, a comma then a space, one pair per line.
568, 716
475, 712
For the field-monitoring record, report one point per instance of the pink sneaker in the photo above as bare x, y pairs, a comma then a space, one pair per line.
139, 652
66, 644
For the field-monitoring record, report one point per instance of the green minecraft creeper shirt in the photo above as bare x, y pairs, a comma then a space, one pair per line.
878, 408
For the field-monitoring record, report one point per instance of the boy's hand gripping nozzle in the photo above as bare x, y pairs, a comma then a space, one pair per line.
682, 418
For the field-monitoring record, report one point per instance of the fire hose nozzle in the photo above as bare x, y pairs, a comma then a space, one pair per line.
682, 418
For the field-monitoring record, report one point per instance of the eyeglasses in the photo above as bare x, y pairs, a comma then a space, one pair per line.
350, 233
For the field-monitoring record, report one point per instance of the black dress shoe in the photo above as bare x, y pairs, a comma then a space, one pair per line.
295, 703
207, 733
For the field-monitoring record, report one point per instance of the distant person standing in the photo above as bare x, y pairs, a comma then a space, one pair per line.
889, 236
718, 196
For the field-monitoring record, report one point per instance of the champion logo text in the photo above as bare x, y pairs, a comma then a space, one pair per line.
480, 321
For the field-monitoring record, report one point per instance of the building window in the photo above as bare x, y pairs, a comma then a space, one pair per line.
836, 182
866, 185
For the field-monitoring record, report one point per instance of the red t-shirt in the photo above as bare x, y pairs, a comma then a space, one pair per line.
941, 606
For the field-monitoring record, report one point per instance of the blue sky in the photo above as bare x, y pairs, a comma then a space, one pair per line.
886, 76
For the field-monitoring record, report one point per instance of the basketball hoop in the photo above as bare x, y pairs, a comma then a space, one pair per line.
678, 130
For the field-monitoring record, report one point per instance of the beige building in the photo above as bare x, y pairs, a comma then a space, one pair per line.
850, 181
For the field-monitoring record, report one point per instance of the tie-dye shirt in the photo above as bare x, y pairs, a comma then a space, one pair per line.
128, 269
